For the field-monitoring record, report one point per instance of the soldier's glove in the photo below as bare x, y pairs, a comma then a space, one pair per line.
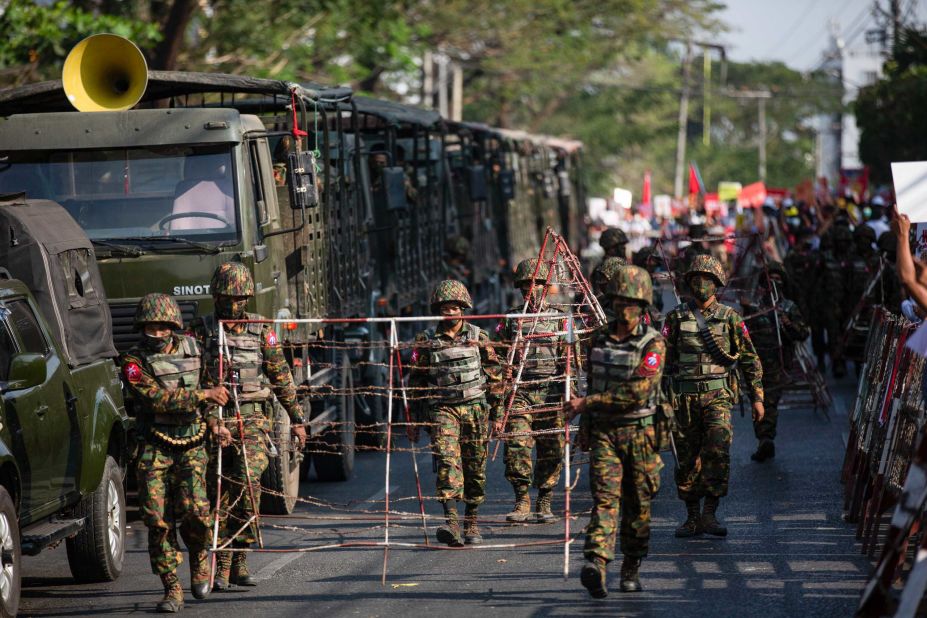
222, 435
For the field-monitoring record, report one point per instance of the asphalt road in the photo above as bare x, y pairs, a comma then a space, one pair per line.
789, 552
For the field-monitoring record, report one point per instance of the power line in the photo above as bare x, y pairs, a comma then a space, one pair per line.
793, 29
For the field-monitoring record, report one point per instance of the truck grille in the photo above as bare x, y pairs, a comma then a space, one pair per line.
124, 334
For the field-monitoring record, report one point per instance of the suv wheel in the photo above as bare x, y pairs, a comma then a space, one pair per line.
10, 556
97, 552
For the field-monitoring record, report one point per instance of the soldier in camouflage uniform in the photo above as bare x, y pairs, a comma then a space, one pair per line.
256, 362
829, 302
625, 365
162, 375
537, 401
775, 357
614, 242
701, 362
457, 264
649, 259
603, 273
453, 363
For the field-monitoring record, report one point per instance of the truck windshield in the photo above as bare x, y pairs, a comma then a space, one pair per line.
135, 193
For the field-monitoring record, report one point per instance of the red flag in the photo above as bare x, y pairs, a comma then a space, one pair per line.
645, 194
696, 186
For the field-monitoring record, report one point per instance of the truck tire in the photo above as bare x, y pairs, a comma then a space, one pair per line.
97, 552
334, 459
10, 556
281, 478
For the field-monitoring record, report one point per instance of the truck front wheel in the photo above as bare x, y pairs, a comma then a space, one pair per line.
281, 478
10, 556
97, 552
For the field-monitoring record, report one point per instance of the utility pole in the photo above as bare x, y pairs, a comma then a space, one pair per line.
683, 122
456, 92
428, 83
896, 20
760, 96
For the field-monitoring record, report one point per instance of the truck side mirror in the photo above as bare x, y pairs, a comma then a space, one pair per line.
394, 186
303, 191
476, 180
26, 371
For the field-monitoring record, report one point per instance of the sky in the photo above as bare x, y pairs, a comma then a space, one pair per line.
796, 32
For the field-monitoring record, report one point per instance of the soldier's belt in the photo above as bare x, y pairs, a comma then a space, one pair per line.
642, 417
699, 386
180, 444
175, 419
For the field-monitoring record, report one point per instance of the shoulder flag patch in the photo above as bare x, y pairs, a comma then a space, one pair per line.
271, 338
415, 355
665, 332
132, 372
652, 363
743, 327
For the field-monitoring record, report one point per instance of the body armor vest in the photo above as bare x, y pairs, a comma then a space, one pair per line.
244, 356
455, 374
612, 363
694, 361
540, 358
173, 370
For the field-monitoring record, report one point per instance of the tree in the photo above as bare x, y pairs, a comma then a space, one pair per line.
888, 112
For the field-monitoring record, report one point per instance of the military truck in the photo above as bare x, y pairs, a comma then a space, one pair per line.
62, 423
168, 192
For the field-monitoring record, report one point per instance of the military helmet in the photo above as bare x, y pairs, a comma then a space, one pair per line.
612, 237
450, 291
232, 279
525, 270
776, 268
458, 246
632, 283
640, 258
864, 231
605, 271
706, 264
887, 242
157, 307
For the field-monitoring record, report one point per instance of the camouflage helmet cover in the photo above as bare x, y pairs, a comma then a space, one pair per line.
632, 283
607, 269
457, 246
864, 231
450, 291
525, 270
640, 258
776, 268
156, 307
708, 265
232, 279
612, 237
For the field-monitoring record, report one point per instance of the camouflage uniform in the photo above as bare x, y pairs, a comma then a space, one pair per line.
614, 242
624, 382
648, 259
165, 387
256, 358
704, 394
537, 403
829, 302
453, 369
762, 329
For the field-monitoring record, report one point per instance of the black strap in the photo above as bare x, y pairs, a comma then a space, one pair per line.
710, 342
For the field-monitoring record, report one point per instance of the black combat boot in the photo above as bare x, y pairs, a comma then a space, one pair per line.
199, 573
766, 450
173, 594
223, 569
240, 574
472, 534
691, 526
593, 577
542, 512
630, 580
522, 510
450, 534
710, 523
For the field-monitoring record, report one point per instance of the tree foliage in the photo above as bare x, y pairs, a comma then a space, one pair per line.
889, 112
605, 71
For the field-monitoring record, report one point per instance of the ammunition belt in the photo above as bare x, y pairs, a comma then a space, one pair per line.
179, 444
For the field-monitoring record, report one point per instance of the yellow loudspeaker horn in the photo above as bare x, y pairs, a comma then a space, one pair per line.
104, 73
